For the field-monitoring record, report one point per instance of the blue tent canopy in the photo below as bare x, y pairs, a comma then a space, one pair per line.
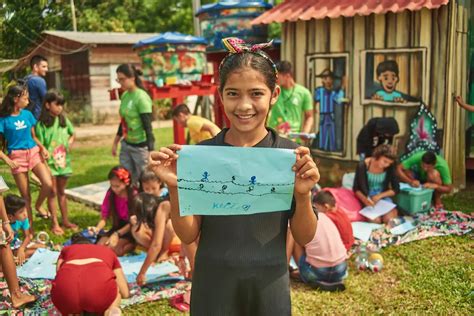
171, 38
218, 6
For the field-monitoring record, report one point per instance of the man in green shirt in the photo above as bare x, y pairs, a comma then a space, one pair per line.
293, 112
429, 169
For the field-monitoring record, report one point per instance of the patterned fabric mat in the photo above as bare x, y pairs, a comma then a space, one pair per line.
433, 224
44, 305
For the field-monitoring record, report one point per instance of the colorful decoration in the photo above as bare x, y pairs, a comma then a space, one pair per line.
172, 57
422, 133
221, 20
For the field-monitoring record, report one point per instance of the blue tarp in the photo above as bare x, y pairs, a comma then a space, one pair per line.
232, 5
171, 38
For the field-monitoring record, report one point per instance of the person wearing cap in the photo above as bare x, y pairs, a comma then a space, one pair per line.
294, 106
326, 98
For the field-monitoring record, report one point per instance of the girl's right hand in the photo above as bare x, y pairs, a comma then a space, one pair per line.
11, 163
114, 150
163, 163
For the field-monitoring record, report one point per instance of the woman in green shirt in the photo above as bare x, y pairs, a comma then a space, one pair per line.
135, 132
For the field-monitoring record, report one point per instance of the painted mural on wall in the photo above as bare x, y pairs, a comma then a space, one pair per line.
330, 98
393, 76
160, 66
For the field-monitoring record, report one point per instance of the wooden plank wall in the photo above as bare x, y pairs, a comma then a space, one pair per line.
101, 59
428, 29
456, 78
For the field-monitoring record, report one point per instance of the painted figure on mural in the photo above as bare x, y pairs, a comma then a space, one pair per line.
388, 76
326, 98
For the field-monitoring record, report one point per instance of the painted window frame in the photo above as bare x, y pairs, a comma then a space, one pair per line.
424, 69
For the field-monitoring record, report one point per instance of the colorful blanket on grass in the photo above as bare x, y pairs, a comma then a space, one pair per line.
44, 306
436, 223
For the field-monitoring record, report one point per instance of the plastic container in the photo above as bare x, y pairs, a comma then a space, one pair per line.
415, 201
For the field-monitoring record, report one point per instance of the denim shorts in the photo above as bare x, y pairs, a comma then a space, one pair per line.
312, 275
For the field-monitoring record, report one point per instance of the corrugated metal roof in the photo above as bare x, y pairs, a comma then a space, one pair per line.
293, 10
101, 37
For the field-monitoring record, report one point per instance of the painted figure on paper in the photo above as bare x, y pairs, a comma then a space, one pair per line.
387, 75
327, 98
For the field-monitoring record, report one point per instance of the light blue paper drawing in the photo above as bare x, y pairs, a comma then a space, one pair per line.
42, 265
131, 266
363, 230
221, 180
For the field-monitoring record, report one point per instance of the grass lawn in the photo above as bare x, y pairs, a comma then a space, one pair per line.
430, 276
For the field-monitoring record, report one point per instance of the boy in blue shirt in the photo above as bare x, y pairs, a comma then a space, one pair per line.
18, 217
387, 74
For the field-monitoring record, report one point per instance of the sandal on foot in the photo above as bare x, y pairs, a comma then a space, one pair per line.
178, 303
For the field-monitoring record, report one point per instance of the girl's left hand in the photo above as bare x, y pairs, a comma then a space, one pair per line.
307, 173
141, 279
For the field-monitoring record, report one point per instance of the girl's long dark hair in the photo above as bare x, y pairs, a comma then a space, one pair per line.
145, 207
8, 102
119, 173
45, 117
130, 71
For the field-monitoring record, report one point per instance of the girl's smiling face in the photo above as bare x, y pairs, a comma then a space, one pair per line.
247, 99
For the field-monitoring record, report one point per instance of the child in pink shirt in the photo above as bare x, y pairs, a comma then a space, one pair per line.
322, 262
116, 205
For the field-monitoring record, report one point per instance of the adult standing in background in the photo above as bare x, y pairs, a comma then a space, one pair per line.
135, 132
294, 106
36, 84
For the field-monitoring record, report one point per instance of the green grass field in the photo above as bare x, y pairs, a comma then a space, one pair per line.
432, 276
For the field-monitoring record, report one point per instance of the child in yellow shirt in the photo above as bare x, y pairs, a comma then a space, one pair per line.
199, 127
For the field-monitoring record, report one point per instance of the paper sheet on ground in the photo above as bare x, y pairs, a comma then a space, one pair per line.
382, 207
42, 265
224, 180
402, 228
131, 266
362, 230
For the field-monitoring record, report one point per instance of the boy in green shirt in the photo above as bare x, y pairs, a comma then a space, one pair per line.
429, 169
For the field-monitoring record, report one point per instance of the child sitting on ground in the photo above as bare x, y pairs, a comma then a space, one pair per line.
117, 203
150, 183
151, 229
199, 127
322, 262
7, 265
326, 203
18, 217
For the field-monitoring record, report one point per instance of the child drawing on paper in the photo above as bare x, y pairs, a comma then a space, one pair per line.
387, 74
244, 254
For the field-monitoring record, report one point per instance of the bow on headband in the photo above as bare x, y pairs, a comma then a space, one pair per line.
237, 46
123, 175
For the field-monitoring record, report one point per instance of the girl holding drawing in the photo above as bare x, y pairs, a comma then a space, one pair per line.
240, 266
376, 179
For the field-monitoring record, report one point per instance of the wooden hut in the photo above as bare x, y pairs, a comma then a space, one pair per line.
84, 64
428, 40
